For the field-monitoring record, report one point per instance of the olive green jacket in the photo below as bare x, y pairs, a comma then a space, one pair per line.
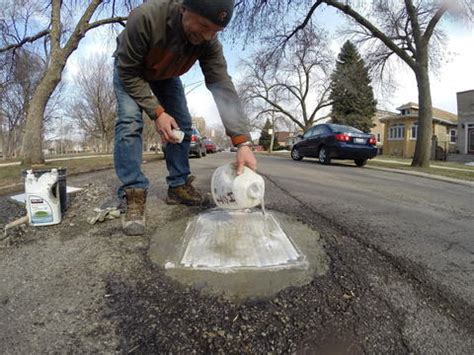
153, 46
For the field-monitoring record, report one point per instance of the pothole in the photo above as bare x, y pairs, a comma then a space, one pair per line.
237, 255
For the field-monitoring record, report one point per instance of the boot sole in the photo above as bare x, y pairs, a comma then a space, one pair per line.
133, 227
171, 201
134, 230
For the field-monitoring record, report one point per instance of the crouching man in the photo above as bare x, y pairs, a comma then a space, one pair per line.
162, 40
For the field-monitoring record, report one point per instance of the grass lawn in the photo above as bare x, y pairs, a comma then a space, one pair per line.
11, 179
436, 168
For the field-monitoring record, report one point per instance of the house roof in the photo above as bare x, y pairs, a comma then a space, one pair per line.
408, 105
438, 114
384, 113
464, 92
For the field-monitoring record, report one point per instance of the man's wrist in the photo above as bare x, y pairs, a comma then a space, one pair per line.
245, 144
240, 138
159, 111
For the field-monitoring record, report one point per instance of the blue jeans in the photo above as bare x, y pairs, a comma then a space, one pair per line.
128, 145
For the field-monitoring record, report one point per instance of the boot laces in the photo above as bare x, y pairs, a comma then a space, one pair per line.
191, 189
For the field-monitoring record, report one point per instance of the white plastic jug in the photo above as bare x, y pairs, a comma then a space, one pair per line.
237, 192
42, 198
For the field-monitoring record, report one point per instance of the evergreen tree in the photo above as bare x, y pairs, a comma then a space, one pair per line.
265, 137
351, 92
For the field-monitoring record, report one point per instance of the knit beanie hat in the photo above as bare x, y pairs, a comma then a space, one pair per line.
217, 11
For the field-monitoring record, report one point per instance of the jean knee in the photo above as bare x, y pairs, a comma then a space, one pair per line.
127, 130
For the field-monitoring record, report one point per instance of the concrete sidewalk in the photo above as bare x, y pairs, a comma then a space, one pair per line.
426, 175
431, 165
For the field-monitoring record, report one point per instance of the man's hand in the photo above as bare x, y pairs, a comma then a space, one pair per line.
245, 157
164, 125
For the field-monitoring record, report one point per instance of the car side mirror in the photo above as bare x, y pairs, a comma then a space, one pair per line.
299, 136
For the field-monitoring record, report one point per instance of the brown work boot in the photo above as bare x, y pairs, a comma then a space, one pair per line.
133, 221
186, 194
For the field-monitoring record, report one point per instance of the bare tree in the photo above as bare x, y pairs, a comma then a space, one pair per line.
94, 105
20, 75
200, 123
293, 86
406, 30
56, 27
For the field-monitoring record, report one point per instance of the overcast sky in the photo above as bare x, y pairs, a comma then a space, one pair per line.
456, 74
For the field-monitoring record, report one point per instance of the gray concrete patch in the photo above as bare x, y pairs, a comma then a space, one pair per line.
166, 248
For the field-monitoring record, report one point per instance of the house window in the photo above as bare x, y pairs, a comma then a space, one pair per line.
414, 131
452, 136
397, 131
378, 137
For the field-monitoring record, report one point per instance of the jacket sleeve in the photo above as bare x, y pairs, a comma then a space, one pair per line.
133, 46
218, 81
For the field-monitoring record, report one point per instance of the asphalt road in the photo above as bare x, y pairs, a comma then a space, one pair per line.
413, 219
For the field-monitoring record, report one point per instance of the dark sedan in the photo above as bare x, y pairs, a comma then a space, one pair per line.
333, 141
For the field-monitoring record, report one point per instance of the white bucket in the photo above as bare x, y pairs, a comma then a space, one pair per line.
237, 192
43, 203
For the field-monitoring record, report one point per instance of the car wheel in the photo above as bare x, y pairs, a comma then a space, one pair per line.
360, 162
295, 155
324, 156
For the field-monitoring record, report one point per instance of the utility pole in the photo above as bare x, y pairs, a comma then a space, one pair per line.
272, 135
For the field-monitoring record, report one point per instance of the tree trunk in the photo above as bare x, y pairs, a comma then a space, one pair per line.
4, 146
425, 118
32, 148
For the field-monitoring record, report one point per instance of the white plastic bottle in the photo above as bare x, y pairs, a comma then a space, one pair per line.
42, 198
237, 192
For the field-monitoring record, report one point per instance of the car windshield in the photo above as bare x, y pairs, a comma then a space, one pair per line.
341, 128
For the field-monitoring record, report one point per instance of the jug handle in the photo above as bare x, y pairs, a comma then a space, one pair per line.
53, 189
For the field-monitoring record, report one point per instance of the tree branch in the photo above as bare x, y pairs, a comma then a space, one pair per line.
25, 40
81, 28
433, 22
55, 35
106, 21
305, 22
411, 11
374, 30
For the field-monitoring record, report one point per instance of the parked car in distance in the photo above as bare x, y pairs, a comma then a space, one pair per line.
333, 141
210, 146
196, 146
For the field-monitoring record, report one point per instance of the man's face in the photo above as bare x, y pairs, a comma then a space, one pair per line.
198, 29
